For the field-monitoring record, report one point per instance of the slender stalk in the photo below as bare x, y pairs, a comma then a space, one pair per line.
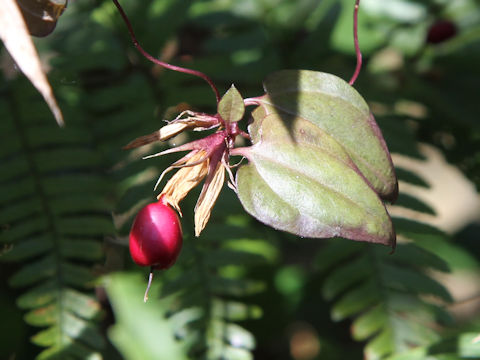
357, 47
162, 63
150, 279
253, 101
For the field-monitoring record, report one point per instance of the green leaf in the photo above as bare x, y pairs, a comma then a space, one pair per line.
344, 277
300, 180
21, 209
231, 107
469, 346
34, 272
369, 323
232, 257
413, 203
82, 249
235, 311
42, 317
336, 108
239, 337
413, 282
410, 177
28, 248
16, 189
17, 167
38, 296
77, 275
80, 304
335, 252
74, 349
29, 228
355, 301
140, 331
85, 225
235, 287
384, 294
406, 252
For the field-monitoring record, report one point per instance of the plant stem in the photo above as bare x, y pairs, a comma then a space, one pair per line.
159, 62
357, 47
253, 101
150, 279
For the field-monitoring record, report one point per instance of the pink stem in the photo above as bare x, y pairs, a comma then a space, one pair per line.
252, 101
245, 135
159, 62
357, 47
243, 151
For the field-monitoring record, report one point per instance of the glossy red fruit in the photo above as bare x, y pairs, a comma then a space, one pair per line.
441, 31
156, 236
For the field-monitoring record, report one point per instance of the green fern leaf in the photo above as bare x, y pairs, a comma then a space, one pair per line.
204, 309
50, 220
383, 293
384, 297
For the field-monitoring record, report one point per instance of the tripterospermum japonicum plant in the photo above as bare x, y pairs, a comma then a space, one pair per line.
318, 165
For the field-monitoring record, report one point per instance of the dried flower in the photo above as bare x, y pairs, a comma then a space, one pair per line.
207, 159
208, 197
185, 179
195, 121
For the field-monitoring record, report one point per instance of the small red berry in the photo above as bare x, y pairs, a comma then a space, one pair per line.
441, 31
156, 236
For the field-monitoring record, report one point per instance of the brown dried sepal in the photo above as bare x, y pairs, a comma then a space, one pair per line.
195, 121
190, 175
208, 158
208, 197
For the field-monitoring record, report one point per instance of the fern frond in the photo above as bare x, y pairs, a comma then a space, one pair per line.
464, 345
384, 293
54, 217
207, 294
388, 296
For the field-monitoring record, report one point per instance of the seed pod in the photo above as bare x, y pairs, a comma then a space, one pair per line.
156, 236
441, 31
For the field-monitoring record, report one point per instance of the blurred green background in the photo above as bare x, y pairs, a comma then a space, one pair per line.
69, 289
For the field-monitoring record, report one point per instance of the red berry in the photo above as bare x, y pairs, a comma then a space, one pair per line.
441, 31
156, 236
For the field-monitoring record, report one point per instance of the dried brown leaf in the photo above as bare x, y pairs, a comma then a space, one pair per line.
15, 36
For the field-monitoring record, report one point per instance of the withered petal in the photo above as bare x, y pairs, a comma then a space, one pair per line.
210, 191
185, 179
188, 160
143, 140
172, 129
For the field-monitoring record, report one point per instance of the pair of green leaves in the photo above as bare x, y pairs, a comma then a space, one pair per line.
319, 166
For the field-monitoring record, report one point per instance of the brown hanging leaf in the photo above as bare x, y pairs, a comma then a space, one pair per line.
41, 15
15, 36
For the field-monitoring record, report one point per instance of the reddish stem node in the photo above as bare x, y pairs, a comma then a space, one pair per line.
162, 63
357, 46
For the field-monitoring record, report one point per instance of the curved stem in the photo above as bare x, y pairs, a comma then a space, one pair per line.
159, 62
357, 47
241, 151
150, 279
253, 101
